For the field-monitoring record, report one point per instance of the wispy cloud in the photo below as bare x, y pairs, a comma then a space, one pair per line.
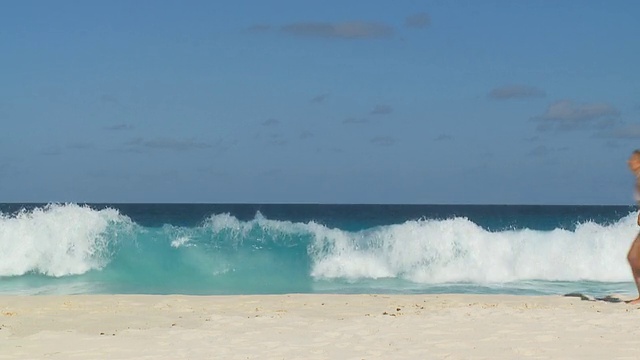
381, 110
214, 172
626, 132
51, 151
59, 150
109, 99
444, 137
166, 144
515, 92
271, 122
353, 120
277, 140
80, 146
119, 127
320, 98
342, 30
539, 151
419, 20
568, 115
306, 135
272, 172
566, 110
543, 151
258, 28
4, 169
383, 141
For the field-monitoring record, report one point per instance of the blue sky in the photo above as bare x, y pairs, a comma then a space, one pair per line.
435, 102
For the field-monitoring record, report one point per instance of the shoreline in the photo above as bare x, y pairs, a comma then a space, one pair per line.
315, 326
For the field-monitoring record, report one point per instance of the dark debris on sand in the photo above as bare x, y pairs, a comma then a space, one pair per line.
608, 298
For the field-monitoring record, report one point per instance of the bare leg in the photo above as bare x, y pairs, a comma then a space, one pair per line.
634, 261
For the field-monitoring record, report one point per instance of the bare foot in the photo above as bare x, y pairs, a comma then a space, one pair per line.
634, 301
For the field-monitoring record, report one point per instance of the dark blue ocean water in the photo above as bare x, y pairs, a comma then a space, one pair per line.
274, 248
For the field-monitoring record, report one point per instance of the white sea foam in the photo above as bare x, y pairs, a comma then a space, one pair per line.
457, 250
56, 240
276, 230
181, 241
454, 250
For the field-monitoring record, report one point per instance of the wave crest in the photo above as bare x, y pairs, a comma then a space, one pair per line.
454, 250
458, 250
57, 240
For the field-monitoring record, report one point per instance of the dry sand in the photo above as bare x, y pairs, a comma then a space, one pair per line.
316, 327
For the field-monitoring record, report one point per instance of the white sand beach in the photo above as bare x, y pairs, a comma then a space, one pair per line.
317, 326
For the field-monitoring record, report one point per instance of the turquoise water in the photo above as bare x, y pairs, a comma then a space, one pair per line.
273, 249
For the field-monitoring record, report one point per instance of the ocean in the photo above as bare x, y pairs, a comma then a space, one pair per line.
208, 249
